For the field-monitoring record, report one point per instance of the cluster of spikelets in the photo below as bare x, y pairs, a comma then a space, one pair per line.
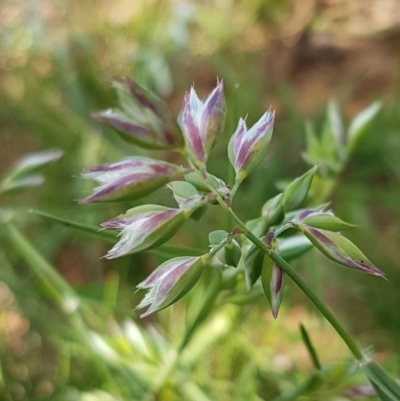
144, 120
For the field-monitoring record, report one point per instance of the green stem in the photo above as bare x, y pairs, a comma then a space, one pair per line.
207, 303
310, 348
299, 282
329, 316
235, 187
209, 299
54, 286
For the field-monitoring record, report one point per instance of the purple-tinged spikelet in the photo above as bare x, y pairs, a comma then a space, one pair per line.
201, 122
247, 147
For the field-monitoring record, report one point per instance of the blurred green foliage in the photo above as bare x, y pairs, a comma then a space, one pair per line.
58, 61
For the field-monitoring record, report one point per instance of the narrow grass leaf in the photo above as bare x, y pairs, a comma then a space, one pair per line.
310, 348
111, 237
53, 284
361, 123
91, 231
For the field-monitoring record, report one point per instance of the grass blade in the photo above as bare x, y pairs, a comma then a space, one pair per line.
111, 237
54, 286
86, 229
310, 348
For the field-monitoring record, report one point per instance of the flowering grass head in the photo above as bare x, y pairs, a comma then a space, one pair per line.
145, 120
254, 252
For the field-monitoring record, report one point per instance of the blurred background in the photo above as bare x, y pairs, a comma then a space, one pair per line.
58, 61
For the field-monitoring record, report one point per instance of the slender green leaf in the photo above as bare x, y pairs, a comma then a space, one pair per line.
326, 221
313, 145
53, 284
335, 121
111, 237
32, 162
297, 190
360, 124
91, 231
310, 348
19, 184
328, 140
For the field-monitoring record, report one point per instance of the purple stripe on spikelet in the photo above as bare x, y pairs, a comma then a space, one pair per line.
124, 125
192, 130
138, 93
244, 153
238, 136
251, 138
159, 272
332, 250
123, 164
148, 220
157, 219
167, 284
213, 112
246, 140
323, 239
277, 280
269, 238
121, 222
168, 138
305, 214
138, 178
170, 280
132, 164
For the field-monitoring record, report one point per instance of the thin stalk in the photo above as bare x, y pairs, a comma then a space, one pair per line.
210, 297
55, 287
235, 188
329, 316
310, 348
207, 303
